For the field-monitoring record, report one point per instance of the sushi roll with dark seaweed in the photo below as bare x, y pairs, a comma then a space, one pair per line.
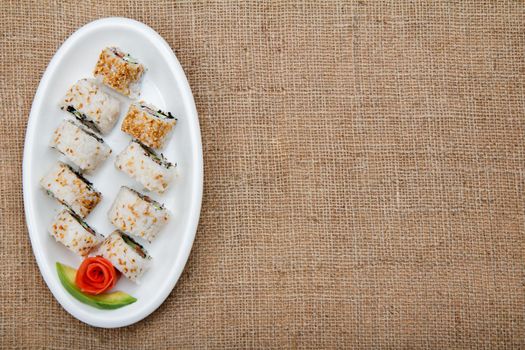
146, 167
137, 214
148, 124
128, 256
74, 233
71, 189
92, 106
80, 145
119, 71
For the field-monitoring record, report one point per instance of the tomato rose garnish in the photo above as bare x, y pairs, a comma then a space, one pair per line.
96, 275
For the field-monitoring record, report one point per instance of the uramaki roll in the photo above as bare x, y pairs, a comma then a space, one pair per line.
137, 214
149, 169
70, 230
125, 254
119, 71
81, 146
148, 124
92, 106
71, 189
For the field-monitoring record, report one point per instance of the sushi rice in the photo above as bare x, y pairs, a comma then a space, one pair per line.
119, 71
92, 106
71, 189
70, 230
79, 145
125, 254
141, 163
148, 124
137, 214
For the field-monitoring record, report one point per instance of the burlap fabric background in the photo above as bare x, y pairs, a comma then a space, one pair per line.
364, 175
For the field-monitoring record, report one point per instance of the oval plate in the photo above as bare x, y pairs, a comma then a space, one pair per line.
165, 86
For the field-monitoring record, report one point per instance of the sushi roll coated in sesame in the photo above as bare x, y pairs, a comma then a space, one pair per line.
119, 71
70, 230
137, 214
71, 189
80, 145
128, 256
92, 106
142, 164
148, 124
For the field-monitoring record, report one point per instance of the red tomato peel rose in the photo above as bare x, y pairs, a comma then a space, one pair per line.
96, 275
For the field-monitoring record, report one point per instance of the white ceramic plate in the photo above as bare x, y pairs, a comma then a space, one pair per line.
165, 86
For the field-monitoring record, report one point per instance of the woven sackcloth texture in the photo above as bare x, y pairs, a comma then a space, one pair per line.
364, 175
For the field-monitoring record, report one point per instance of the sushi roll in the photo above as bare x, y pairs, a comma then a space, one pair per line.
148, 124
119, 71
137, 214
125, 254
92, 106
70, 230
71, 189
141, 163
82, 147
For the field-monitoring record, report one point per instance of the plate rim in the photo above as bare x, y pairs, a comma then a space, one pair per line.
198, 183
